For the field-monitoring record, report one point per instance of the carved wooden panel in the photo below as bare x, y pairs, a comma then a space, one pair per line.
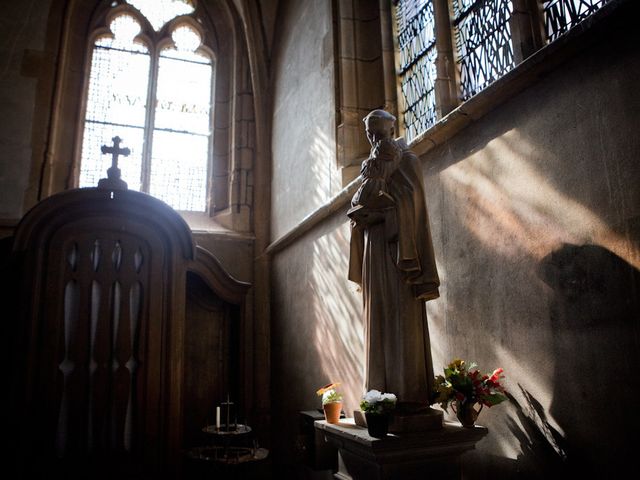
98, 292
101, 341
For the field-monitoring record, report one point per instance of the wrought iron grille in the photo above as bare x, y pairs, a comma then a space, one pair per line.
417, 67
483, 41
562, 15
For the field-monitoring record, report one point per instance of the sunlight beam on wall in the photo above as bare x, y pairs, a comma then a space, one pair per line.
512, 207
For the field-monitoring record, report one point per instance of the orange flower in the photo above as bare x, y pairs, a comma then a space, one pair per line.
330, 386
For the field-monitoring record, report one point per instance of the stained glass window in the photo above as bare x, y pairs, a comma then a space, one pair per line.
166, 124
484, 50
562, 15
483, 41
417, 64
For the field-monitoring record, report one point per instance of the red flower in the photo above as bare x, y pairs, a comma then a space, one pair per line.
496, 375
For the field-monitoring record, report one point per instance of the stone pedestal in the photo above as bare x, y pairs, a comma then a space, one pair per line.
315, 453
432, 454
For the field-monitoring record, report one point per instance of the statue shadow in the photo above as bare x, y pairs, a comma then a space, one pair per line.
595, 316
590, 427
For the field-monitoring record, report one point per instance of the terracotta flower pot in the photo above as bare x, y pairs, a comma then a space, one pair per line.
332, 411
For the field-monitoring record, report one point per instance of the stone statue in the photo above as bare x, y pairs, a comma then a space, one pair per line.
392, 259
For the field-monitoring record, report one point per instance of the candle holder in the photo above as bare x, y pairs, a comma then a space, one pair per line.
228, 437
227, 415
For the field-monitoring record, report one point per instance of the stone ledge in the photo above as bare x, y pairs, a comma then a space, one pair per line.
451, 439
314, 218
406, 456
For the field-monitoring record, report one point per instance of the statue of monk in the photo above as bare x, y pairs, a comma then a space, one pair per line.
392, 260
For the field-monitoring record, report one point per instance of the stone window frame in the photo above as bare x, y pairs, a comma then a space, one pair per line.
155, 41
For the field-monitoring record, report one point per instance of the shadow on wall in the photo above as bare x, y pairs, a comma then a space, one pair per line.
543, 447
538, 204
595, 312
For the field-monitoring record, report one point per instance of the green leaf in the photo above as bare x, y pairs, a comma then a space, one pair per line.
495, 399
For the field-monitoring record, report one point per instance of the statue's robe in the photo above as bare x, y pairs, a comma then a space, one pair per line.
393, 261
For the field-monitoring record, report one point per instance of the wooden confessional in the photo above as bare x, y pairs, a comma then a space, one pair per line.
127, 335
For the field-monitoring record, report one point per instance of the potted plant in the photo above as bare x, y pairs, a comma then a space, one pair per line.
331, 402
378, 408
463, 386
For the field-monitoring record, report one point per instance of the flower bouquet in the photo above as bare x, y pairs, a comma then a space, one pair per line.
331, 402
463, 386
377, 408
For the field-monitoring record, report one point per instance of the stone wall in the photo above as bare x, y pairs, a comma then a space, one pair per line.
316, 330
305, 173
26, 70
535, 211
536, 218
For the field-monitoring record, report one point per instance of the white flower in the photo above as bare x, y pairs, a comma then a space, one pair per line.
378, 403
389, 396
372, 396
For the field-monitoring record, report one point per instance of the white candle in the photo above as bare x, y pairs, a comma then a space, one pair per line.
217, 418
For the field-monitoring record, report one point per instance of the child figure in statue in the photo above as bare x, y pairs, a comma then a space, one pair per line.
376, 171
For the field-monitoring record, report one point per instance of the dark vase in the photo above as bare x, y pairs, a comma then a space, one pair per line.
466, 413
377, 424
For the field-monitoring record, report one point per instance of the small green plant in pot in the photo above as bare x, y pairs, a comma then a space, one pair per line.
331, 402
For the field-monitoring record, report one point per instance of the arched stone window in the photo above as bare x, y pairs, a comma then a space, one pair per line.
150, 83
170, 77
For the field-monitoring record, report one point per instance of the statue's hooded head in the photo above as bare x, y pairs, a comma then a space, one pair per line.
379, 125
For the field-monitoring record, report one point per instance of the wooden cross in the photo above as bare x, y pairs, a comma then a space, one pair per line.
113, 180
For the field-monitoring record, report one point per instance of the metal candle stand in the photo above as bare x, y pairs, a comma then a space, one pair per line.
228, 441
